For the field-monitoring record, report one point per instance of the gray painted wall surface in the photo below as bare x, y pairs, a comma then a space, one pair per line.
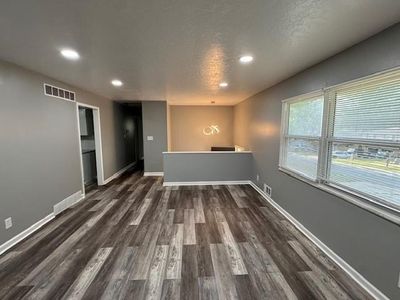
39, 150
184, 167
368, 243
154, 114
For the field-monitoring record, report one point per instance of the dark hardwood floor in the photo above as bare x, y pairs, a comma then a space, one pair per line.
135, 239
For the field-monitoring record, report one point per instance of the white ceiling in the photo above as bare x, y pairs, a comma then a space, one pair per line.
180, 50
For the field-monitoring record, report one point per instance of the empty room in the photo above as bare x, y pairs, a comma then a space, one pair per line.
200, 149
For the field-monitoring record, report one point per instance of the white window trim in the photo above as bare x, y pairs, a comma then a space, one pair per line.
284, 129
375, 205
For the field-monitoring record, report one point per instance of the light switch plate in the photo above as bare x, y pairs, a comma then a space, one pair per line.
8, 222
150, 138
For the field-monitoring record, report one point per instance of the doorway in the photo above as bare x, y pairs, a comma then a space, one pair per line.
90, 146
133, 133
136, 110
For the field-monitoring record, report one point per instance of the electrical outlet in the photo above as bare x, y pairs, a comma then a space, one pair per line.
8, 222
267, 190
150, 138
258, 177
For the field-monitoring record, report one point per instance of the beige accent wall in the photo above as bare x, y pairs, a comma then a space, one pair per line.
187, 124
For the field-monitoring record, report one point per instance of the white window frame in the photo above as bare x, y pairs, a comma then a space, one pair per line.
330, 140
378, 206
285, 136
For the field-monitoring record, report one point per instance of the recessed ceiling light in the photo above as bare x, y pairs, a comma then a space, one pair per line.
70, 54
223, 84
245, 59
116, 82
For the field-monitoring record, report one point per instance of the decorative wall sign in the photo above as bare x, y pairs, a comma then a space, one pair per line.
210, 130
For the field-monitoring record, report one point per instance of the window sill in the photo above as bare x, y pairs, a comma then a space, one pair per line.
376, 208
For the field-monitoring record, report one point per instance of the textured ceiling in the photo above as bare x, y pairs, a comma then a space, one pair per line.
180, 50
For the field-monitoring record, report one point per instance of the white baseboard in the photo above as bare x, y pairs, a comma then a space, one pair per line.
364, 283
119, 173
237, 182
19, 237
68, 202
58, 208
153, 174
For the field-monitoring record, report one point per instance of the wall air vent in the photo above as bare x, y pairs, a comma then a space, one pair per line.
53, 91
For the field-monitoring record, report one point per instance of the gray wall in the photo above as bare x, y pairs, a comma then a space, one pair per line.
39, 150
214, 166
154, 115
367, 242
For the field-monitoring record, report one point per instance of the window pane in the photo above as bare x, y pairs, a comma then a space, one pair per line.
372, 170
369, 112
302, 156
305, 117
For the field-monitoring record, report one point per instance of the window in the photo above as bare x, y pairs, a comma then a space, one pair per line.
355, 146
364, 138
302, 136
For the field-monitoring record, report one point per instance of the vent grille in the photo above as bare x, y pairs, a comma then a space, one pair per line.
267, 190
53, 91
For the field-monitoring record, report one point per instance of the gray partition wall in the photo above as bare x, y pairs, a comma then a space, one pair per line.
183, 167
154, 114
367, 242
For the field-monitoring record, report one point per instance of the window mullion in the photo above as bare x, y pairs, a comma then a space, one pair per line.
327, 132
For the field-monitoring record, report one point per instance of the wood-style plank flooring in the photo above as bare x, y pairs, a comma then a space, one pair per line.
135, 239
